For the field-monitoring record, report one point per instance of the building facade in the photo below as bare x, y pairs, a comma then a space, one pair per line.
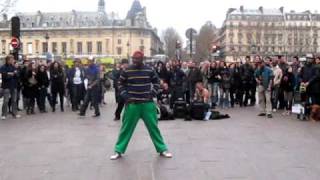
83, 34
268, 32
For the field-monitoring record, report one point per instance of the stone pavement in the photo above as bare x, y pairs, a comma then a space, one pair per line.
61, 146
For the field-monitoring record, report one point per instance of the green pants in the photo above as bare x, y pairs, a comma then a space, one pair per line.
132, 114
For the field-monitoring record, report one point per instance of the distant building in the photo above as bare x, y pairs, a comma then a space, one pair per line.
269, 32
83, 34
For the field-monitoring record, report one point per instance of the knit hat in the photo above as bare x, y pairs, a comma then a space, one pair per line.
138, 55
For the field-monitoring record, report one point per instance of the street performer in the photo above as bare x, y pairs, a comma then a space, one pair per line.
138, 85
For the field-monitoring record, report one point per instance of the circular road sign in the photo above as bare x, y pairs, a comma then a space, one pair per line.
15, 43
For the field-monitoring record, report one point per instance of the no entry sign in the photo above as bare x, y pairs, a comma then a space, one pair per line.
15, 43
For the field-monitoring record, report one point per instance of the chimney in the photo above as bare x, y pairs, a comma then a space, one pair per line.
4, 17
261, 9
230, 10
241, 8
281, 9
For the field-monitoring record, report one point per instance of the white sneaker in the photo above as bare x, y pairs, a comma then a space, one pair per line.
166, 154
115, 156
17, 116
3, 118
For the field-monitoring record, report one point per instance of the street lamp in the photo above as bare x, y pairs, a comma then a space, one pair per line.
47, 41
128, 45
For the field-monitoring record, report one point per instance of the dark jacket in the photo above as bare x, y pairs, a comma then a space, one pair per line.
9, 81
31, 88
247, 74
306, 73
226, 78
57, 79
287, 82
176, 77
214, 72
314, 83
163, 73
42, 79
236, 81
194, 75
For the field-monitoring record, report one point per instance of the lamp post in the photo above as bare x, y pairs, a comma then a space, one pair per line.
47, 41
128, 46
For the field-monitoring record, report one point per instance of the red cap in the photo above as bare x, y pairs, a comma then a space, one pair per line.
138, 55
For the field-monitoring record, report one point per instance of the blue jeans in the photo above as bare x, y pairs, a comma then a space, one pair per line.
224, 98
214, 90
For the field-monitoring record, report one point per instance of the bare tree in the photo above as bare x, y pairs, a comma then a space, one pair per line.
170, 36
204, 40
6, 5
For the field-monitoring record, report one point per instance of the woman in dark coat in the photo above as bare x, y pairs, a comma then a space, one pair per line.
43, 83
57, 79
31, 87
287, 84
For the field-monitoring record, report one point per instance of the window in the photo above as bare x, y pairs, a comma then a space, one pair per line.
142, 42
119, 50
119, 41
4, 46
44, 48
89, 47
99, 47
107, 45
141, 48
54, 48
29, 47
79, 47
64, 47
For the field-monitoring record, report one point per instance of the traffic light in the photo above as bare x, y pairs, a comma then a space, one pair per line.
15, 33
15, 27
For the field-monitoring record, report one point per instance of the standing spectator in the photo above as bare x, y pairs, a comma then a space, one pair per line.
295, 70
287, 84
205, 70
162, 72
277, 76
194, 76
305, 75
104, 84
9, 76
76, 82
23, 80
57, 78
214, 83
236, 91
177, 78
119, 99
43, 84
313, 86
248, 81
264, 78
31, 87
92, 94
225, 86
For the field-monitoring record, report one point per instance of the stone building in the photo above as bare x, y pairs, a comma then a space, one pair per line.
268, 32
83, 34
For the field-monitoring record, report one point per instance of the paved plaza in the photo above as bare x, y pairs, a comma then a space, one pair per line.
62, 146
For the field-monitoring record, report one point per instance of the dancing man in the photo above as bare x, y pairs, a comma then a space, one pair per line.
138, 85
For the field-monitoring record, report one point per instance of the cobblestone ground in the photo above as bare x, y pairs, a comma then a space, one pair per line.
62, 146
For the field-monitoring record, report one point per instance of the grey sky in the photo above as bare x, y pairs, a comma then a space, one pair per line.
180, 14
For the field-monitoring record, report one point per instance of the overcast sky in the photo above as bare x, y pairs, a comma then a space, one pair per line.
180, 14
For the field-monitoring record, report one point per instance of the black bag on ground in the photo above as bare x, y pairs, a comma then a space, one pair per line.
180, 108
198, 110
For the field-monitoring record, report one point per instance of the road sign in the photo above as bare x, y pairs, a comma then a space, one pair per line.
190, 33
15, 43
